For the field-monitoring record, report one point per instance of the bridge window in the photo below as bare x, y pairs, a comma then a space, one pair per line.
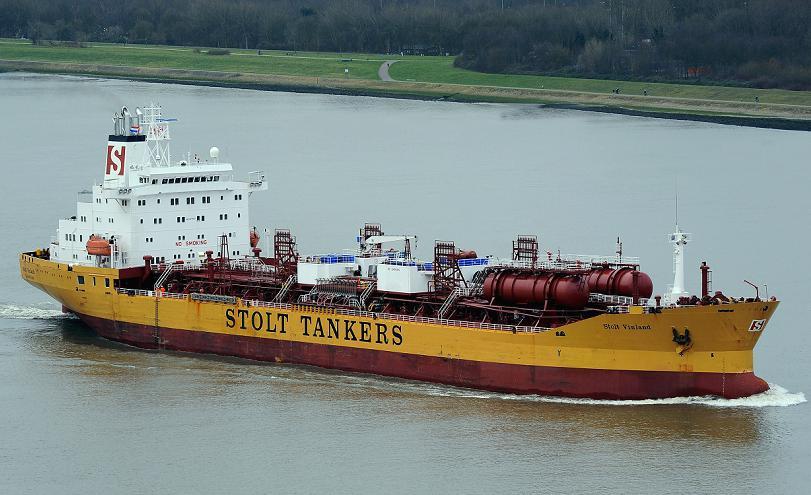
164, 181
80, 279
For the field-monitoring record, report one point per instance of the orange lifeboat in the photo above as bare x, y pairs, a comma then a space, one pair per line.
98, 246
254, 238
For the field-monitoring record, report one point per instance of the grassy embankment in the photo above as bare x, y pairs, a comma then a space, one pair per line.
421, 77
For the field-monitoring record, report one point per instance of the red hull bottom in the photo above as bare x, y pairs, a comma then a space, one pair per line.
496, 377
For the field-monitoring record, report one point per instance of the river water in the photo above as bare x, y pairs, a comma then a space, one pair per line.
82, 415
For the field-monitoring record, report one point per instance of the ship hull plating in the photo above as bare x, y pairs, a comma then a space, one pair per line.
496, 377
611, 356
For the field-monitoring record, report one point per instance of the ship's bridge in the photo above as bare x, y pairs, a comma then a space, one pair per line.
148, 205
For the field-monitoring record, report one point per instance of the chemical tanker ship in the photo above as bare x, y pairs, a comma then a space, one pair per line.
161, 255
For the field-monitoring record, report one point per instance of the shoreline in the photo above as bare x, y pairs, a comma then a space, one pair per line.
717, 112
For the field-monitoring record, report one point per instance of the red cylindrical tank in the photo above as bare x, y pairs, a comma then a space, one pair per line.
559, 289
465, 255
98, 246
619, 282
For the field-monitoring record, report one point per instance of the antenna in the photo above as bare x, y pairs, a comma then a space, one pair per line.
677, 203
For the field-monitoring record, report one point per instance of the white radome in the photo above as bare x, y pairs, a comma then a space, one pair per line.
214, 152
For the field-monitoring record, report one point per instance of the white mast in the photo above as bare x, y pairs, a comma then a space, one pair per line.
156, 128
679, 240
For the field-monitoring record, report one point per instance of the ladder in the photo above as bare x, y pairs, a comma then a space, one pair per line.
164, 276
449, 302
156, 333
366, 293
285, 288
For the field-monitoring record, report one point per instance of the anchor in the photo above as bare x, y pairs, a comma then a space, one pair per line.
683, 342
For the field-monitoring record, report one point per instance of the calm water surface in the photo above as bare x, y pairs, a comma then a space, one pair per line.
82, 415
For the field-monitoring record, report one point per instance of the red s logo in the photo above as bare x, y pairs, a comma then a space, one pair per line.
115, 160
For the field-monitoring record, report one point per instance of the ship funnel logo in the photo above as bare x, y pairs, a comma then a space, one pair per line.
115, 159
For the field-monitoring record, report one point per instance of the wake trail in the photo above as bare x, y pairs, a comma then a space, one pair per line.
17, 312
776, 396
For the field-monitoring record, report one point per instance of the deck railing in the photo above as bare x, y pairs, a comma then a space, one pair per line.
616, 300
350, 312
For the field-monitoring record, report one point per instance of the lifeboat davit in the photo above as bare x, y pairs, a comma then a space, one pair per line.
254, 238
98, 246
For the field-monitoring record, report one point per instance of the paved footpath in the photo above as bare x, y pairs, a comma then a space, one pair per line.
383, 71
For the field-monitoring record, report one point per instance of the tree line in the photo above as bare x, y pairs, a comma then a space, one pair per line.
762, 43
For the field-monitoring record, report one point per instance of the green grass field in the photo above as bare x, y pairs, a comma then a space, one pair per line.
364, 67
298, 64
441, 70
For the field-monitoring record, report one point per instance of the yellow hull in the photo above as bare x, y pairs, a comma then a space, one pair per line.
633, 354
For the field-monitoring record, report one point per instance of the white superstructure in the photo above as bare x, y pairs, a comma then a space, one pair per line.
148, 206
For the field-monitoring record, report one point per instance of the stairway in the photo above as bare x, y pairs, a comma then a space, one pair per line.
285, 288
162, 279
